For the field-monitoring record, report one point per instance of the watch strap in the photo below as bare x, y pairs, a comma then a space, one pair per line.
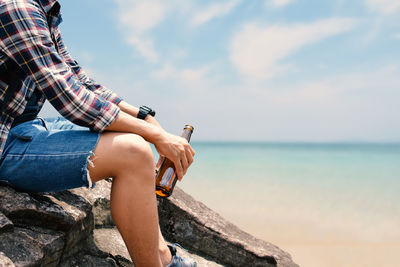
144, 111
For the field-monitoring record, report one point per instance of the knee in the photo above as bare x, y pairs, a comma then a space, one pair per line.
122, 154
135, 152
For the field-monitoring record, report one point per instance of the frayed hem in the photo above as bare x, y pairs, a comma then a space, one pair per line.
86, 175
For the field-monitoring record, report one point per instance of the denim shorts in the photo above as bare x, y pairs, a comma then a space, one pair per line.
44, 155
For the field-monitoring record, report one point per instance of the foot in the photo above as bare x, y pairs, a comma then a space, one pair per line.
178, 261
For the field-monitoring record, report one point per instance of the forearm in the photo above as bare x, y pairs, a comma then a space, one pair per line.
125, 122
129, 109
133, 111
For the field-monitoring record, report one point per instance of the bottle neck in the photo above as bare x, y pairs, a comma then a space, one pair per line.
187, 133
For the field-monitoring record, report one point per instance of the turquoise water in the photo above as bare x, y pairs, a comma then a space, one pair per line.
369, 170
297, 194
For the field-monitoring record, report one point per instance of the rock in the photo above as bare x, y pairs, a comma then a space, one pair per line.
201, 261
81, 214
49, 228
5, 261
24, 209
34, 246
84, 260
110, 241
99, 198
192, 224
75, 228
5, 224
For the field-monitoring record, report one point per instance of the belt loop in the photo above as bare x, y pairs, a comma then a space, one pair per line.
43, 122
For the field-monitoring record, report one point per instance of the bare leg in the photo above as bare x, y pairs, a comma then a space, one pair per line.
165, 253
129, 160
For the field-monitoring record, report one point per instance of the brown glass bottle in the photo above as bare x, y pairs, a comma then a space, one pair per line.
166, 176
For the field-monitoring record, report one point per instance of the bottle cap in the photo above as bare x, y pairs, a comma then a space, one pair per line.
189, 127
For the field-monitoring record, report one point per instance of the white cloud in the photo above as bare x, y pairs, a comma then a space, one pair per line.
278, 3
396, 36
373, 29
348, 106
214, 11
385, 7
330, 91
189, 77
136, 19
145, 47
256, 51
143, 15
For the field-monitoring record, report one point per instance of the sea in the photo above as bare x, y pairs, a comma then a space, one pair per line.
327, 204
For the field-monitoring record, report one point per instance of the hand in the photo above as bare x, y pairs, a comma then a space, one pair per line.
176, 149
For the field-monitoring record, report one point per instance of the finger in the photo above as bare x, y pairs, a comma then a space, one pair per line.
179, 169
189, 157
184, 161
192, 150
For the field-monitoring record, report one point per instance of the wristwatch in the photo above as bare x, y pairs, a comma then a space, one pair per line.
144, 111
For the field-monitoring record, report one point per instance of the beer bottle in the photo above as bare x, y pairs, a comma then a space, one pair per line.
166, 176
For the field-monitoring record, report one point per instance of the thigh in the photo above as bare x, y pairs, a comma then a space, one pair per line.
41, 156
119, 152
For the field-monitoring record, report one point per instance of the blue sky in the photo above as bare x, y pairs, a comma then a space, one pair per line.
249, 70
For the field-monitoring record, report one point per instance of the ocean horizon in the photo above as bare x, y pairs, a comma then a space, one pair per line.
326, 203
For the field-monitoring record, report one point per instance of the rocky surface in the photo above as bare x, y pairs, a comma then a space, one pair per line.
75, 228
195, 226
5, 261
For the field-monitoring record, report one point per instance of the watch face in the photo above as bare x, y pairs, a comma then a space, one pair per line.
147, 109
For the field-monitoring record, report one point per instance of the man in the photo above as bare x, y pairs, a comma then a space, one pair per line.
110, 141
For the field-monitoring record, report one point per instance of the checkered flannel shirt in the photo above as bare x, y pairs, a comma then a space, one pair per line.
31, 40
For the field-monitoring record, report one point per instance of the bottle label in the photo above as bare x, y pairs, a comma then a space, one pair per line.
167, 177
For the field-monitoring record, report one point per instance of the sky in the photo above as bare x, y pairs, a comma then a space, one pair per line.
248, 70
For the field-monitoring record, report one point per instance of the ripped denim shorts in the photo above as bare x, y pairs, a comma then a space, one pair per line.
44, 155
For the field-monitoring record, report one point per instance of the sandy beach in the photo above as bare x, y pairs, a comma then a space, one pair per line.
327, 205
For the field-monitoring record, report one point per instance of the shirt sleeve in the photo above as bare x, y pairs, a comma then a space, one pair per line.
90, 83
25, 38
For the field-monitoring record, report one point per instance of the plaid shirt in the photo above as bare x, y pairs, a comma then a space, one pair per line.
34, 58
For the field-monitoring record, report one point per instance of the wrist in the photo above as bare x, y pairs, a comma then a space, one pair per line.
149, 118
157, 135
